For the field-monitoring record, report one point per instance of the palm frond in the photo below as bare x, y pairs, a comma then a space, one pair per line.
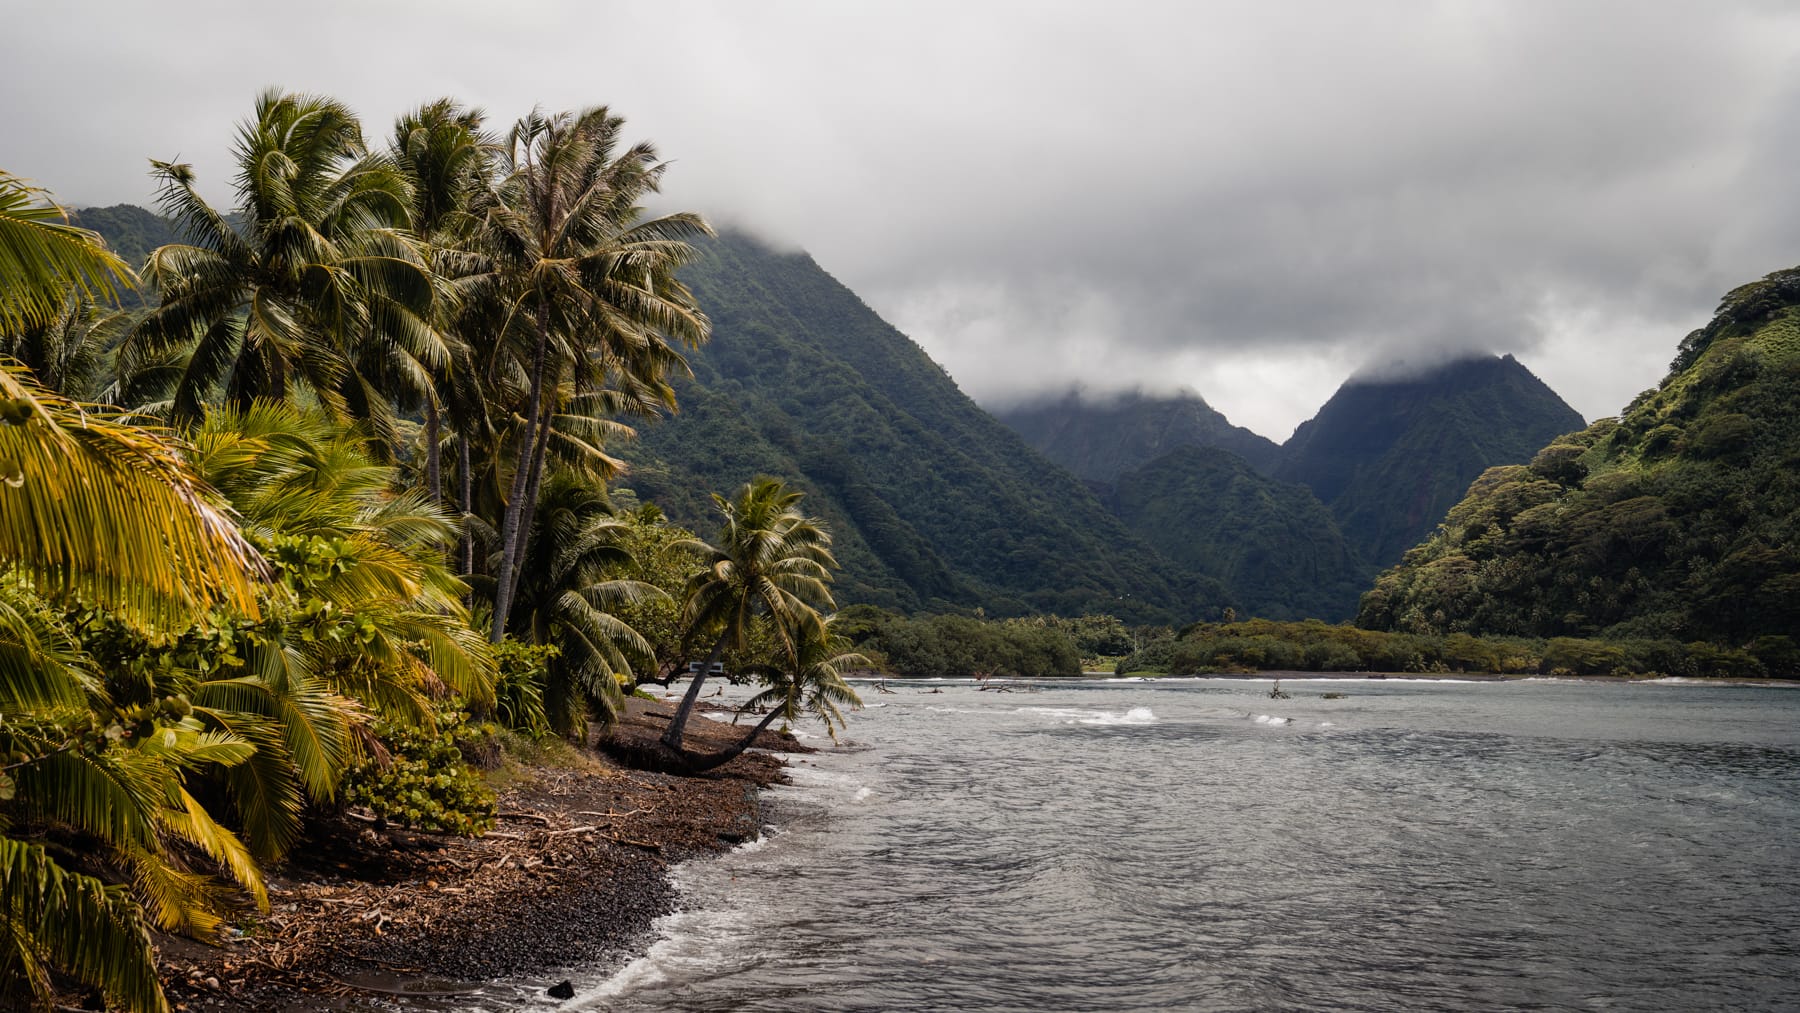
43, 259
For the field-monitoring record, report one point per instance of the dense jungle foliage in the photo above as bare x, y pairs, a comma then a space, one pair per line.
1680, 518
1312, 646
1389, 457
310, 525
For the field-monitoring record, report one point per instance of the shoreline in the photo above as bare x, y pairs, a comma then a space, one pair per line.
574, 875
1295, 675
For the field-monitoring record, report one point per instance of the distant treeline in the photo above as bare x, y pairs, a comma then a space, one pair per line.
1313, 646
958, 646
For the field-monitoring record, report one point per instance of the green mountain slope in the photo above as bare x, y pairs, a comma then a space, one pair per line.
131, 231
1100, 439
1390, 457
1679, 519
1274, 545
934, 502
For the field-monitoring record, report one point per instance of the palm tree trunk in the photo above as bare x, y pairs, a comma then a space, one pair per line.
533, 484
434, 475
698, 764
678, 724
515, 501
467, 480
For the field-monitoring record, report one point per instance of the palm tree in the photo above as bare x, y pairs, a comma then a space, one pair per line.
316, 277
583, 301
770, 560
448, 161
67, 353
44, 259
93, 508
808, 678
567, 597
375, 613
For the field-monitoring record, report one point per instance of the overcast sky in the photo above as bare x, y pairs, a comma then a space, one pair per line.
1254, 200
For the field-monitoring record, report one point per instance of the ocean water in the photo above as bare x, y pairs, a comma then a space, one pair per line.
1196, 845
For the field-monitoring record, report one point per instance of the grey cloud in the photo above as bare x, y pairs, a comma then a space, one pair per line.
1250, 199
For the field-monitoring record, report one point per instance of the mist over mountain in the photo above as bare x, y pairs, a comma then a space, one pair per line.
1166, 511
934, 503
1100, 437
1390, 456
1679, 519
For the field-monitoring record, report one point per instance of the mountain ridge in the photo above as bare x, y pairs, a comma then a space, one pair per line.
1680, 518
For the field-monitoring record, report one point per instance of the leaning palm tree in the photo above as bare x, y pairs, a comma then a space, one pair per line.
315, 276
581, 300
770, 559
807, 677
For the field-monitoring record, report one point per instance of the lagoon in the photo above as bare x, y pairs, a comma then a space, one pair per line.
1194, 844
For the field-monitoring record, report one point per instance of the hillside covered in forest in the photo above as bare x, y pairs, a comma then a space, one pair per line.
1678, 519
1389, 457
938, 506
1099, 438
1272, 543
1299, 529
935, 504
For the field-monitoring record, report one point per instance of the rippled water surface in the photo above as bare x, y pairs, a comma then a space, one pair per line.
1198, 845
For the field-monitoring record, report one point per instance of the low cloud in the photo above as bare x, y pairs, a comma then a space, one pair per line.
1255, 201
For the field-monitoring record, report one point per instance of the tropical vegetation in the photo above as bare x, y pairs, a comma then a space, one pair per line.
1262, 645
1678, 518
303, 520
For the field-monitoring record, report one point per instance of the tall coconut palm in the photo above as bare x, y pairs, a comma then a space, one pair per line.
770, 559
448, 161
583, 296
316, 274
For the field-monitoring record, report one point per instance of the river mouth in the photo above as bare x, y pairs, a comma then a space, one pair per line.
1199, 845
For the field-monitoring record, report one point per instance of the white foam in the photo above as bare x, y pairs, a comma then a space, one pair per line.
861, 793
1134, 716
1076, 716
1326, 724
1265, 719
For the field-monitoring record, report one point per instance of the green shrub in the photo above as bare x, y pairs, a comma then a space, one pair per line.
425, 783
519, 685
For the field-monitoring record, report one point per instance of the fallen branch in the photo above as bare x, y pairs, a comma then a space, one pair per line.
647, 845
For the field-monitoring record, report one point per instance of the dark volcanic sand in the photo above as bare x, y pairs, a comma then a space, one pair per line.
575, 872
